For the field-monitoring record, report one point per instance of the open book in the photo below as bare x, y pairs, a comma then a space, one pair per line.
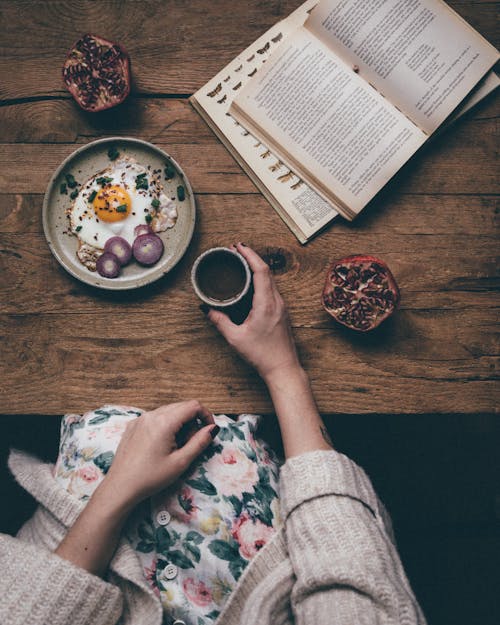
298, 204
352, 94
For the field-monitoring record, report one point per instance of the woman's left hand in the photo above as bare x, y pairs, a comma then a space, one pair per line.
148, 458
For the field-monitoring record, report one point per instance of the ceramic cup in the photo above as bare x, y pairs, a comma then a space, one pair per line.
221, 277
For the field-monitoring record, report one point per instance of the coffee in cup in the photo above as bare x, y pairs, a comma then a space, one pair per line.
221, 277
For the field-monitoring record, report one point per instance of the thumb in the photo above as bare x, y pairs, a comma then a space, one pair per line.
222, 322
197, 444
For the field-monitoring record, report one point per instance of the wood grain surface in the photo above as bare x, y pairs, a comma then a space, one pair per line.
66, 346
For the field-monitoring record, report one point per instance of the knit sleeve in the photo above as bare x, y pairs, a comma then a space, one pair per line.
339, 540
36, 586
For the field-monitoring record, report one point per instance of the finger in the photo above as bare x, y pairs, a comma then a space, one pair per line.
222, 322
263, 281
254, 260
182, 412
195, 446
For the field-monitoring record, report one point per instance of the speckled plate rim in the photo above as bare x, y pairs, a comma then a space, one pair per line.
157, 271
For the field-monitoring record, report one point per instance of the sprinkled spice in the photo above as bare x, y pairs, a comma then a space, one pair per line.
63, 189
181, 194
113, 153
70, 181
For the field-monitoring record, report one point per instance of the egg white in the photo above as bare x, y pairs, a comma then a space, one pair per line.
85, 223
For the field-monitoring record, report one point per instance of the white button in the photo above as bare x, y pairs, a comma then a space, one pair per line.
170, 571
178, 622
163, 517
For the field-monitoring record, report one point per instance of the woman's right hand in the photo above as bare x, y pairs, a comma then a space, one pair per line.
265, 338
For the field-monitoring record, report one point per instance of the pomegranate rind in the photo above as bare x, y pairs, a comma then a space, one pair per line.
82, 75
360, 292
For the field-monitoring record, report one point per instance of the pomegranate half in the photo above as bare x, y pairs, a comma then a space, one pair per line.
97, 73
360, 292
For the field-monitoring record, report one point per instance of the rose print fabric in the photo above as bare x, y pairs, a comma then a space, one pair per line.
194, 539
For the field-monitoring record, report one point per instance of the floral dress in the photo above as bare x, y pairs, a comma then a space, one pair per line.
194, 539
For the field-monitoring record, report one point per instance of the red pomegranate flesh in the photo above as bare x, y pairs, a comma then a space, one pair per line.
360, 292
97, 73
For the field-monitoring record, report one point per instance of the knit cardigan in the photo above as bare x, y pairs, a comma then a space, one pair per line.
333, 562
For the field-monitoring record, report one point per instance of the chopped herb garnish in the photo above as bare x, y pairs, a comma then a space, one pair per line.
141, 182
122, 208
181, 194
155, 203
63, 189
92, 196
149, 219
78, 228
169, 171
104, 180
113, 153
70, 180
74, 194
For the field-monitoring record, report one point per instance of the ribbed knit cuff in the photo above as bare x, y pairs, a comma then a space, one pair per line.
40, 587
319, 473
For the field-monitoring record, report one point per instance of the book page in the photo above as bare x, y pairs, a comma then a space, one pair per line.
300, 207
322, 119
418, 53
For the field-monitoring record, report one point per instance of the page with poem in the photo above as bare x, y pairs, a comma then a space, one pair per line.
419, 53
343, 137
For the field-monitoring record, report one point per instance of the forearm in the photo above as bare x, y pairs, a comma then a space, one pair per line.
302, 428
91, 542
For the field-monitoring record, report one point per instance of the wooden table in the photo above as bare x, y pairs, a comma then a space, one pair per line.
66, 347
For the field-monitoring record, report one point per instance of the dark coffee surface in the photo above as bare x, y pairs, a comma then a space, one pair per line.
221, 276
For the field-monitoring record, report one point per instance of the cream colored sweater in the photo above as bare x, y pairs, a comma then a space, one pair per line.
333, 563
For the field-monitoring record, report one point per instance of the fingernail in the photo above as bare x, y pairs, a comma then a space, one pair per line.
243, 244
214, 431
204, 309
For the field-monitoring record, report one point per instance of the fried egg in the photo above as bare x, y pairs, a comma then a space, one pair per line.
116, 201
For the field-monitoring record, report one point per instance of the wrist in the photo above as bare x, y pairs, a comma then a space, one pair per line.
112, 502
285, 375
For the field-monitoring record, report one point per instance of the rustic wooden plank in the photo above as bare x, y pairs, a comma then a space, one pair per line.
442, 272
171, 120
461, 160
175, 47
416, 365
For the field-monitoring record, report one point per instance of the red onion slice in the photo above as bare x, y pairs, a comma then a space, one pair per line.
147, 249
108, 265
120, 248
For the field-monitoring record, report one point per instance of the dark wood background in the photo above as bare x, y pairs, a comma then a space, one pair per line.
414, 402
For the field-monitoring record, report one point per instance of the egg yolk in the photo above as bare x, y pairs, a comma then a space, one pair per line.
112, 203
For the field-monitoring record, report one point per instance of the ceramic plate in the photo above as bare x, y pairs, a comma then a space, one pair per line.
85, 163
